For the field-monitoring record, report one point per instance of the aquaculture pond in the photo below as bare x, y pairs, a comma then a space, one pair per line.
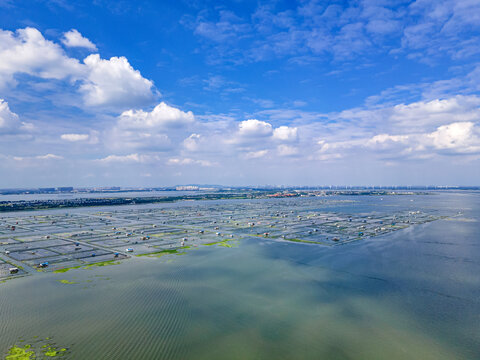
392, 277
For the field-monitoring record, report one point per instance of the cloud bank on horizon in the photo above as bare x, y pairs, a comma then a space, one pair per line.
307, 93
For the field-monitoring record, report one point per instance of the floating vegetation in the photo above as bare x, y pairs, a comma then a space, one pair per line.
35, 349
228, 243
161, 253
20, 353
467, 220
58, 271
103, 263
68, 282
224, 243
89, 266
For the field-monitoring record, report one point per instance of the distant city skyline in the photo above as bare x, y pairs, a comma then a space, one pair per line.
150, 94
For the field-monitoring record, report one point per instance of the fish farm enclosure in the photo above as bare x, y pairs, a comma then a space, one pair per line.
63, 240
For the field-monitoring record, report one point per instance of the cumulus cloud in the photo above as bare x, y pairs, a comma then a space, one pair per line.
451, 139
9, 121
285, 133
27, 51
75, 137
418, 130
434, 112
114, 82
384, 140
110, 83
414, 117
151, 130
162, 116
73, 38
191, 143
459, 137
254, 128
90, 138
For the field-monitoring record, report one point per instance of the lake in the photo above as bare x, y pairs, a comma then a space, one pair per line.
410, 294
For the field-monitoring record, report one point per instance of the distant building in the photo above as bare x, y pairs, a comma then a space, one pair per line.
187, 188
108, 188
46, 189
65, 188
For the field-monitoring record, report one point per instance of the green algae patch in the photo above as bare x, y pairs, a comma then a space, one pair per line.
68, 282
36, 349
51, 353
229, 244
89, 266
103, 263
60, 271
224, 243
161, 253
20, 353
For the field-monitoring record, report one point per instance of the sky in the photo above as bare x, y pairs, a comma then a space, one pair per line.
158, 93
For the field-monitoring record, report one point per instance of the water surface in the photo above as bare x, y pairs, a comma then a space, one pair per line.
410, 294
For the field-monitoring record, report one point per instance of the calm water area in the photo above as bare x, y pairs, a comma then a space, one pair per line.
410, 294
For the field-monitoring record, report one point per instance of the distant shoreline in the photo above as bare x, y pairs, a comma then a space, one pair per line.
32, 205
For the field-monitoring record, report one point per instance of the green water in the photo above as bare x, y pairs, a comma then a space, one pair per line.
411, 294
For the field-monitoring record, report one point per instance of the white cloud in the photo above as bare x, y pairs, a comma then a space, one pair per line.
385, 140
228, 26
122, 139
162, 116
313, 29
254, 128
188, 161
437, 25
9, 121
73, 38
438, 111
131, 158
75, 137
459, 137
328, 157
451, 139
110, 83
191, 143
90, 138
415, 117
285, 133
114, 83
256, 154
286, 150
49, 156
151, 130
27, 51
419, 130
38, 157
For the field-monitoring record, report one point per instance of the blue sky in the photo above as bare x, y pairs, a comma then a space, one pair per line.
149, 93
